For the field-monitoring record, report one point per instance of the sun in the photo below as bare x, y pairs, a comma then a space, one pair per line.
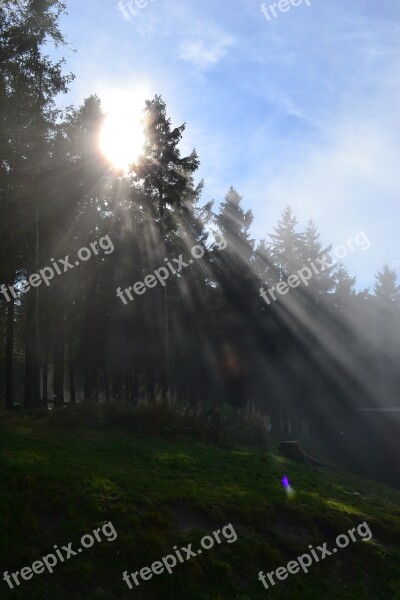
121, 136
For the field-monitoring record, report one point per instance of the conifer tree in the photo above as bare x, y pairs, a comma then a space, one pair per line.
286, 245
311, 251
165, 178
386, 289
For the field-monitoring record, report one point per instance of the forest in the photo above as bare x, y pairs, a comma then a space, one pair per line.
173, 302
206, 335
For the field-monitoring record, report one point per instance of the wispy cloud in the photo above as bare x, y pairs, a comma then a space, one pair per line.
203, 54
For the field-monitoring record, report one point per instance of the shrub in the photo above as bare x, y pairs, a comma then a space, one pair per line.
216, 423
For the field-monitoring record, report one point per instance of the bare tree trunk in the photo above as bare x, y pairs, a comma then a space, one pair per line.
32, 369
135, 385
45, 375
61, 359
10, 355
106, 381
127, 388
58, 378
71, 364
56, 372
87, 374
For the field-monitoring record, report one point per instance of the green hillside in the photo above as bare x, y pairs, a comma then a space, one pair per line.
59, 484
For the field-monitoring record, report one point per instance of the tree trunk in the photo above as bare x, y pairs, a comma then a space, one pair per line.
32, 369
106, 381
72, 395
10, 355
45, 375
135, 386
58, 378
61, 359
166, 375
32, 348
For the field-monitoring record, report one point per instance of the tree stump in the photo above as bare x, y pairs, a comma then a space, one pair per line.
295, 451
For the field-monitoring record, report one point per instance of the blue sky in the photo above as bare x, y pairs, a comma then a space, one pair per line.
299, 110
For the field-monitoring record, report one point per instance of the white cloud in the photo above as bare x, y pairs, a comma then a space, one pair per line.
203, 54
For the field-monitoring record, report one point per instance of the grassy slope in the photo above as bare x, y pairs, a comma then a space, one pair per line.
58, 485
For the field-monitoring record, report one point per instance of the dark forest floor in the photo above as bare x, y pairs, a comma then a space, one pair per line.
61, 483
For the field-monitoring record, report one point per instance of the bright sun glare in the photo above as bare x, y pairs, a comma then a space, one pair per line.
121, 136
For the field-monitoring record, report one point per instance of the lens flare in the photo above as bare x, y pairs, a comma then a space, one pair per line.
288, 488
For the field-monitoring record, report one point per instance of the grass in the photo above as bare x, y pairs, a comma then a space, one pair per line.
58, 485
